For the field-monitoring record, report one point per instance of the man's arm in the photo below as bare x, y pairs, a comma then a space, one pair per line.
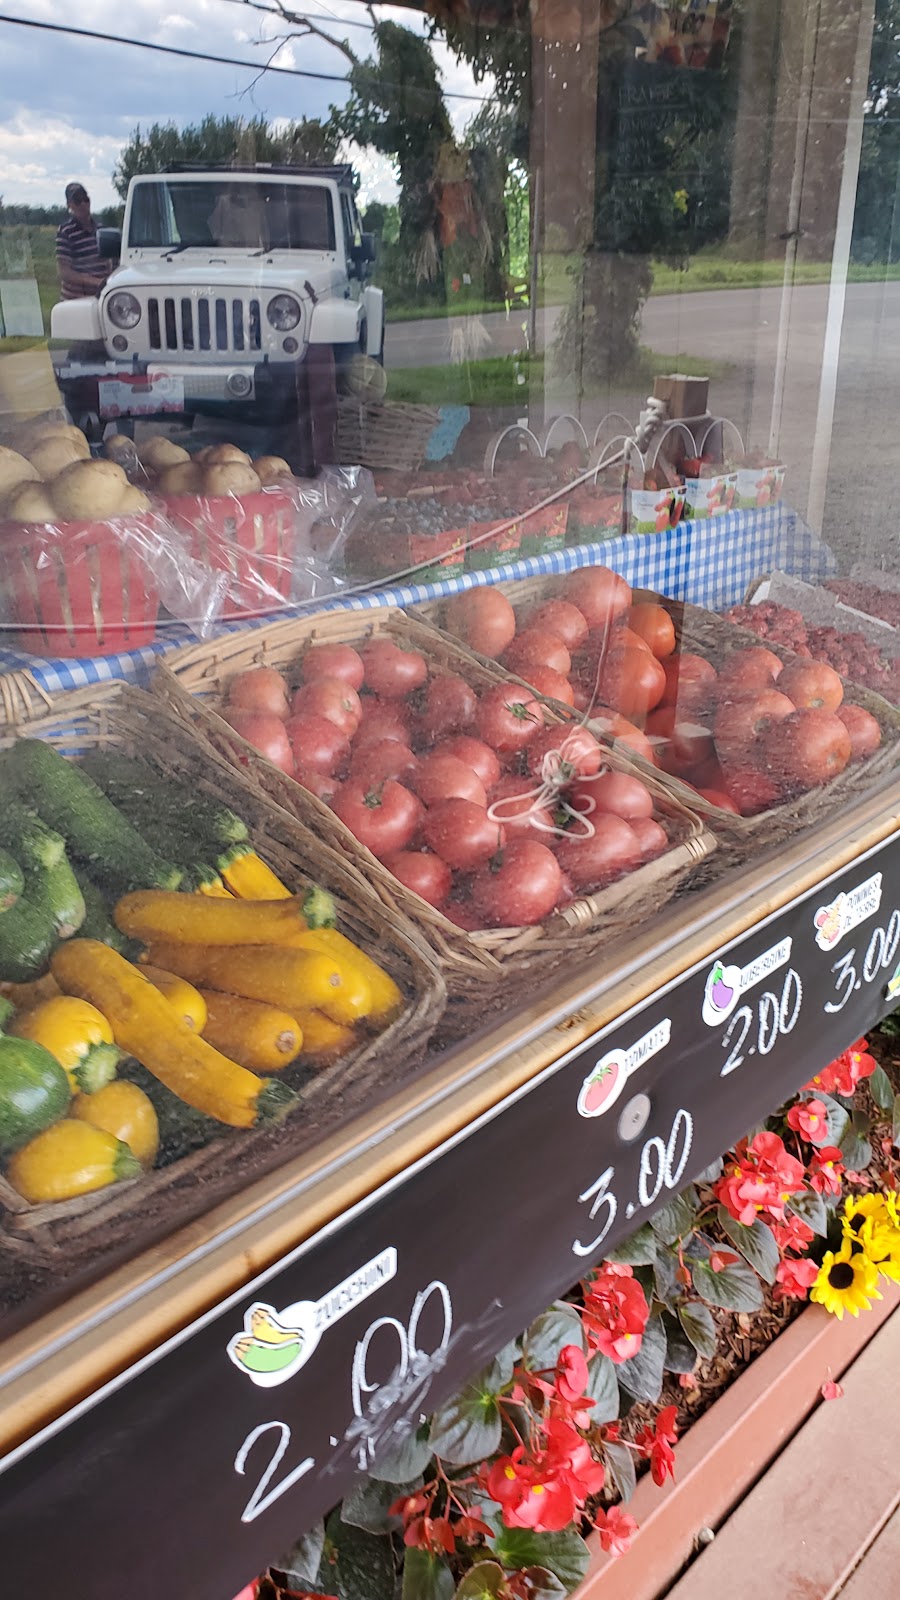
69, 276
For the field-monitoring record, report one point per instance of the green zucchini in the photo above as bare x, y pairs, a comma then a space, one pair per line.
57, 892
98, 923
94, 830
12, 880
7, 1010
128, 781
29, 839
28, 932
34, 1092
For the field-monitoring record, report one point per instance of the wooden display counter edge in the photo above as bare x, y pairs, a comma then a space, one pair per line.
48, 1366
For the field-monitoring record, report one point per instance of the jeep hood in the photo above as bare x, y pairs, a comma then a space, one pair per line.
197, 269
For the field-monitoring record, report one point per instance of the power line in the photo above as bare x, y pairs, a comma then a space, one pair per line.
258, 67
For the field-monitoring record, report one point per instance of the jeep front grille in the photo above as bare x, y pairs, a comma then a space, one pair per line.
207, 324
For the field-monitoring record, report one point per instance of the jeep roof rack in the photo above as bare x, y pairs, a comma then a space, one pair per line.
342, 172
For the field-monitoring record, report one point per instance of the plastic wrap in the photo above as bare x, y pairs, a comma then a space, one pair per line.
95, 588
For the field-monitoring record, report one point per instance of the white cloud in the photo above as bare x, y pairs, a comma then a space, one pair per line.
39, 155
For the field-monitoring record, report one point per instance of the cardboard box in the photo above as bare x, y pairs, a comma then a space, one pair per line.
685, 397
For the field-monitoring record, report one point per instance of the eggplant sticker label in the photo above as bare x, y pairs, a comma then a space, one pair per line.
847, 911
725, 984
273, 1345
605, 1081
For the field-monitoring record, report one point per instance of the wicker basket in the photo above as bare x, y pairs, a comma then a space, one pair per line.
383, 435
474, 964
121, 717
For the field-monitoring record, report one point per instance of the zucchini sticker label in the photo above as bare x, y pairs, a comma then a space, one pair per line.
605, 1081
847, 911
273, 1345
726, 984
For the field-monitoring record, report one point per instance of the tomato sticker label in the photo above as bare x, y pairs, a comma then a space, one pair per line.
606, 1080
273, 1345
725, 984
847, 911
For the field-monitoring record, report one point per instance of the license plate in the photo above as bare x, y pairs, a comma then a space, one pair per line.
140, 394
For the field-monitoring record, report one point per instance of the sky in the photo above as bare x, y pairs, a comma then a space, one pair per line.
68, 105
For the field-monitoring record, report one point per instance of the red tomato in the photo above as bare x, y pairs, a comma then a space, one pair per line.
320, 784
384, 817
259, 689
679, 743
425, 874
333, 661
381, 720
317, 743
392, 673
811, 684
653, 624
561, 618
625, 638
592, 863
566, 892
690, 682
572, 750
751, 790
517, 810
462, 916
615, 793
508, 718
745, 673
450, 706
600, 594
265, 732
483, 619
865, 734
378, 759
462, 834
718, 797
480, 757
614, 726
651, 836
443, 777
806, 749
521, 889
537, 648
740, 724
550, 683
632, 682
331, 698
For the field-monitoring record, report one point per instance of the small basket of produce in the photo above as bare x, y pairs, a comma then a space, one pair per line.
467, 800
383, 434
77, 541
186, 972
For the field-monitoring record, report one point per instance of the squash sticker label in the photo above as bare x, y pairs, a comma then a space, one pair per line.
726, 984
273, 1345
847, 911
605, 1081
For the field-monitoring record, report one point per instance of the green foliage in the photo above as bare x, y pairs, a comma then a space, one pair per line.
735, 1287
222, 140
564, 1554
425, 1577
468, 1428
643, 1374
756, 1243
696, 1320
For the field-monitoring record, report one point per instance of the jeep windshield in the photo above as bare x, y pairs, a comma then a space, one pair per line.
230, 215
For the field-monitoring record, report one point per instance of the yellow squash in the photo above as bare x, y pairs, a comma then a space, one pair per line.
214, 891
274, 974
70, 1159
187, 1001
146, 1026
126, 1112
77, 1034
260, 1037
248, 877
323, 1040
386, 998
153, 915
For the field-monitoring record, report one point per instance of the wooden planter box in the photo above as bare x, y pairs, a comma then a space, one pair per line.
729, 1448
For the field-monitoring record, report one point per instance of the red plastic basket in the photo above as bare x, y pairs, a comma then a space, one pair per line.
251, 538
77, 588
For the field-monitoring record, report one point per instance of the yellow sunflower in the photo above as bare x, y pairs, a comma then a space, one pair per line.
869, 1226
847, 1281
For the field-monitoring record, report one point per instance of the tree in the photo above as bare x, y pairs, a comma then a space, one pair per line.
221, 140
876, 225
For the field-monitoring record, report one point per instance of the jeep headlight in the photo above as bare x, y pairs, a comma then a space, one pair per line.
123, 310
283, 312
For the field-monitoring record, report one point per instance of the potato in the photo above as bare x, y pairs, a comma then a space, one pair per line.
52, 455
89, 491
15, 469
118, 447
37, 432
133, 502
30, 502
158, 453
271, 469
186, 478
230, 477
217, 454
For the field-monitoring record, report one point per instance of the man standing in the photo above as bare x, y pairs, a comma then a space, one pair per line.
81, 269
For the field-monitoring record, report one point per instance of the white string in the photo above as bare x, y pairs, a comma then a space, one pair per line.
555, 774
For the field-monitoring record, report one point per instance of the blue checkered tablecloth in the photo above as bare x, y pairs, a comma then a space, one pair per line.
709, 563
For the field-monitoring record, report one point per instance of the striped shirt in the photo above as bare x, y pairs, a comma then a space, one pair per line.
76, 247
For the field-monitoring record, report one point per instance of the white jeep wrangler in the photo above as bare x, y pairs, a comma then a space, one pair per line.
232, 282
